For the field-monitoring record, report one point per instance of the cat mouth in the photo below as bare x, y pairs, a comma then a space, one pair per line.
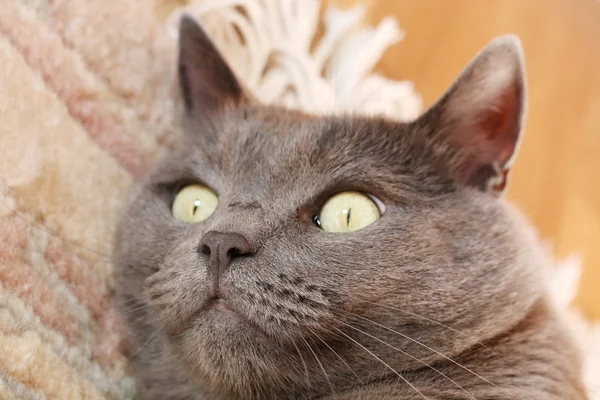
219, 303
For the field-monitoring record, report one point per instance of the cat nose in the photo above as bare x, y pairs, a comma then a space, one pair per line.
221, 249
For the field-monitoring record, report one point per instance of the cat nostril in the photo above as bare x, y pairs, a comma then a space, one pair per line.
222, 249
224, 245
235, 252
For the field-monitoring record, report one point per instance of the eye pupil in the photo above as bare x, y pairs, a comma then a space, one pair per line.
348, 217
196, 206
317, 221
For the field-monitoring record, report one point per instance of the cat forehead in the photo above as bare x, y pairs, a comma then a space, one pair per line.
274, 141
278, 135
273, 151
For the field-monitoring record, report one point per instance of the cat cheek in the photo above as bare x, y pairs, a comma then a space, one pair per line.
176, 296
160, 294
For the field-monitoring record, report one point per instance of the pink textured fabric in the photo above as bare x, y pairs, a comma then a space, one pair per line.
83, 282
20, 279
13, 236
61, 336
110, 341
45, 53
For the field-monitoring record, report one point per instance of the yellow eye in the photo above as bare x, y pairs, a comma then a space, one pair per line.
348, 212
194, 203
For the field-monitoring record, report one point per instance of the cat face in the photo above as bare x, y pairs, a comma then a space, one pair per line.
256, 289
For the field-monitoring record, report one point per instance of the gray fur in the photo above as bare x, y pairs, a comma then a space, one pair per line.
442, 298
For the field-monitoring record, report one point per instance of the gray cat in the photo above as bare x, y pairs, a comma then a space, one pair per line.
280, 255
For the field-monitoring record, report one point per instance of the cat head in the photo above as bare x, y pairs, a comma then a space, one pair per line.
273, 244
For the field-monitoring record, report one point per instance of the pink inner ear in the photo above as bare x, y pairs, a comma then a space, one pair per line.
488, 133
478, 120
504, 125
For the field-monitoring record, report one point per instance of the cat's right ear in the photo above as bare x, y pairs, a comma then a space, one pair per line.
478, 121
207, 82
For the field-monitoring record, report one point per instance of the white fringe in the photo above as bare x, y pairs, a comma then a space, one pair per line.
269, 45
563, 289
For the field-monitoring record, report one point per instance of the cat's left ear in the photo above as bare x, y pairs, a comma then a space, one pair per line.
206, 80
481, 116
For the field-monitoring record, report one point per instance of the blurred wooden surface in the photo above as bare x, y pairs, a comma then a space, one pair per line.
556, 178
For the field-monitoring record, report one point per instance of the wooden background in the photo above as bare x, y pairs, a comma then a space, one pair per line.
556, 177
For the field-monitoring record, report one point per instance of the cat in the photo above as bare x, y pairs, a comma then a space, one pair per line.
279, 255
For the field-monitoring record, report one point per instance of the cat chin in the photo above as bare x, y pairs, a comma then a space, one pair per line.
219, 329
222, 351
219, 317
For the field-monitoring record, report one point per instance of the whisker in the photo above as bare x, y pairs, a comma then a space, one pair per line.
133, 309
364, 100
384, 363
129, 301
417, 316
138, 319
36, 224
143, 268
430, 349
338, 356
332, 98
29, 255
411, 356
433, 322
371, 370
143, 345
320, 365
306, 377
102, 259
